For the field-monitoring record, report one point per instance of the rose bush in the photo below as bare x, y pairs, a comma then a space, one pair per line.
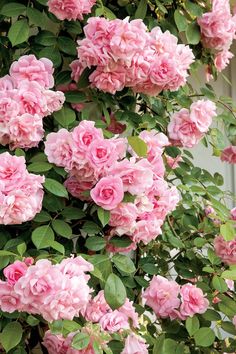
111, 239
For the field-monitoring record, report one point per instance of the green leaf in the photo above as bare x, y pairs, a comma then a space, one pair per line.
75, 97
192, 325
80, 341
72, 213
84, 78
46, 38
55, 188
121, 242
194, 9
219, 284
21, 248
91, 228
43, 236
204, 337
32, 321
123, 263
228, 327
95, 243
227, 305
227, 231
229, 274
39, 167
18, 32
4, 253
13, 9
36, 17
62, 228
180, 20
211, 315
114, 291
51, 53
43, 216
65, 117
138, 145
103, 216
67, 45
193, 33
58, 247
141, 9
11, 335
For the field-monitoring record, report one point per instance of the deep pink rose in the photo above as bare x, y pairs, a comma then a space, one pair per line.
229, 154
15, 271
108, 192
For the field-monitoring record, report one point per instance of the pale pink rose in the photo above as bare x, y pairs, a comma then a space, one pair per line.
230, 284
75, 266
6, 83
85, 133
201, 113
123, 218
77, 189
147, 230
9, 108
102, 153
54, 343
192, 300
226, 250
31, 69
54, 101
133, 174
229, 154
128, 310
90, 53
162, 296
15, 271
127, 38
106, 80
173, 162
233, 213
182, 130
222, 60
163, 71
114, 321
26, 131
59, 148
217, 28
234, 320
12, 171
97, 308
30, 97
9, 300
108, 192
70, 9
135, 345
77, 69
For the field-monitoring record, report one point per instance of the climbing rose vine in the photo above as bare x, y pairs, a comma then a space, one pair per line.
111, 239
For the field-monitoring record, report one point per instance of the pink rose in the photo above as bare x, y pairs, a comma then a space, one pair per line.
135, 345
162, 296
182, 130
75, 267
97, 308
108, 192
30, 97
14, 272
123, 218
55, 343
201, 113
229, 154
9, 300
59, 148
54, 101
114, 321
193, 300
222, 60
226, 250
85, 133
233, 213
30, 69
108, 80
77, 69
77, 189
102, 153
70, 9
147, 230
12, 171
6, 83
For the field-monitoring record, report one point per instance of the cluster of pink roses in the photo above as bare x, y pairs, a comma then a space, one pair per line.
21, 193
218, 31
168, 299
226, 250
125, 54
99, 172
187, 127
70, 9
98, 311
55, 292
56, 343
25, 99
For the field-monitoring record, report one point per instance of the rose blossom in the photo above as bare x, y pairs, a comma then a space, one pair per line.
108, 192
229, 154
77, 69
9, 300
135, 345
70, 9
107, 80
226, 250
147, 230
114, 321
193, 300
97, 308
14, 272
201, 113
78, 188
222, 59
29, 68
102, 153
233, 213
54, 343
85, 133
162, 296
123, 218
